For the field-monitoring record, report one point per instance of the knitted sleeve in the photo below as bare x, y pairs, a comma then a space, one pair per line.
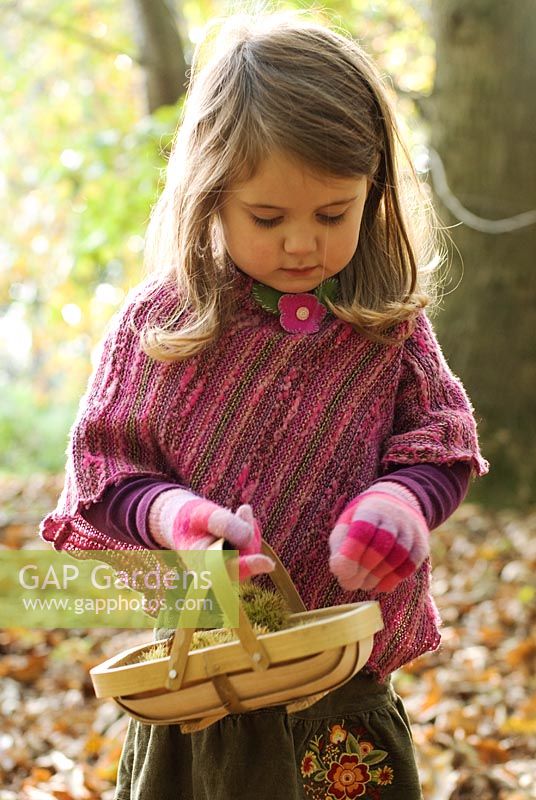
433, 416
438, 488
112, 436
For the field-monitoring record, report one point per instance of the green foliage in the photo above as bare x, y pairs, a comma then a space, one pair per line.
32, 438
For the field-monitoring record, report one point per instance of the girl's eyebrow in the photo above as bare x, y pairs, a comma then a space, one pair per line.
280, 208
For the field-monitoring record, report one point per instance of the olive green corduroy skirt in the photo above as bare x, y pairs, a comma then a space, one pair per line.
354, 743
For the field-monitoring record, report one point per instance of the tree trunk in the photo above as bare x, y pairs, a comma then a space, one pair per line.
483, 116
161, 52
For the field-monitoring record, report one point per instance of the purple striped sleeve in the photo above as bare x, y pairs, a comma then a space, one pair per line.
440, 489
123, 510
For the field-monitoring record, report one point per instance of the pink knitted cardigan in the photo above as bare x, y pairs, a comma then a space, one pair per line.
294, 424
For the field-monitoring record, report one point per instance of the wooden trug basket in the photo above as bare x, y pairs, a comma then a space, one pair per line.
296, 666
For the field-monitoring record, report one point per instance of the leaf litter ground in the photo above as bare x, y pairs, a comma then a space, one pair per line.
472, 703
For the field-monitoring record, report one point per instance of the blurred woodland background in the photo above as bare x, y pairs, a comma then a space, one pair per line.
90, 94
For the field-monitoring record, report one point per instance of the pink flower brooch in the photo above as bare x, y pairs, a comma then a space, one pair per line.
298, 313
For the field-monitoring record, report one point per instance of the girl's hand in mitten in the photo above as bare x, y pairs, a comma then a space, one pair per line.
180, 520
380, 538
251, 561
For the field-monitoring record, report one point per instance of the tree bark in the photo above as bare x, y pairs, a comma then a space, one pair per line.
483, 126
161, 52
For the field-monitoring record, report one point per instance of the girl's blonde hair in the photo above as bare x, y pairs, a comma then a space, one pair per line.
281, 82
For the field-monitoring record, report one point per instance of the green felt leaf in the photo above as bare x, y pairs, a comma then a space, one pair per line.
266, 297
328, 290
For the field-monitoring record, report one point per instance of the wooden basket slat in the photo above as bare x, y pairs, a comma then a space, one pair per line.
328, 628
320, 673
201, 699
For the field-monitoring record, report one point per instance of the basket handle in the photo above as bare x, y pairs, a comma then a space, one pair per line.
282, 581
221, 585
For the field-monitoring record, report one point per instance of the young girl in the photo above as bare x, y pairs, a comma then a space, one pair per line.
276, 375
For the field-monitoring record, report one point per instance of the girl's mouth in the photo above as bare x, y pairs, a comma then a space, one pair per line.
303, 271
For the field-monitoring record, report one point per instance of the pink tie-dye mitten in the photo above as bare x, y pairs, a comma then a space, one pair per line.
380, 538
180, 520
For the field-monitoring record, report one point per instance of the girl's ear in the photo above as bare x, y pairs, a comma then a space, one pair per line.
218, 235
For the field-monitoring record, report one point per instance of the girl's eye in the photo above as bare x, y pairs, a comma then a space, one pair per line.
332, 220
265, 223
269, 223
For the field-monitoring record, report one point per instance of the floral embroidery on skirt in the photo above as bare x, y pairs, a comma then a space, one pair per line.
345, 764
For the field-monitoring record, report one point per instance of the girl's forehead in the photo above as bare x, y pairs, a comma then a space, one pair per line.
279, 170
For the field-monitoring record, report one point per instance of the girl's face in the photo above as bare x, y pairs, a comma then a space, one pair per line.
289, 229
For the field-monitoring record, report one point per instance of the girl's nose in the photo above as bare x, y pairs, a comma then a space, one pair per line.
299, 243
